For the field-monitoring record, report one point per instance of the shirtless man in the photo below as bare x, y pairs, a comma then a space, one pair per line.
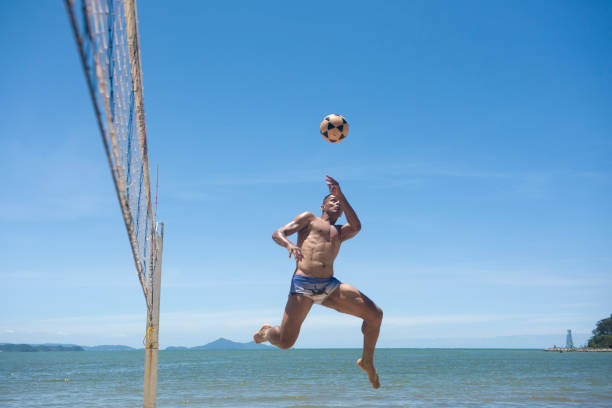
313, 281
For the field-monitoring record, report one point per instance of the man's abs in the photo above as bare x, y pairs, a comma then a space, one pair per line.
318, 260
320, 244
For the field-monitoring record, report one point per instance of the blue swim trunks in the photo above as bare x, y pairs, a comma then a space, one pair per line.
317, 289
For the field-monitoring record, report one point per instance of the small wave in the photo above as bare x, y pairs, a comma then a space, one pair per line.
54, 380
269, 398
550, 398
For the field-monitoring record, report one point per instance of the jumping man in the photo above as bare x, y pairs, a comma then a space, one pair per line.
313, 281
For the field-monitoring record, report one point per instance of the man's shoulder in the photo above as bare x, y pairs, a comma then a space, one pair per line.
306, 216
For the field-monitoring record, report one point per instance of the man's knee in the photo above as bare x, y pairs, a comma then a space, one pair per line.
375, 316
286, 342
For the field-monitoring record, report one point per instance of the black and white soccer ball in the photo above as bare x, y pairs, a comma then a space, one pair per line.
334, 128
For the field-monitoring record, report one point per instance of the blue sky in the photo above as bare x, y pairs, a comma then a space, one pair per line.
478, 160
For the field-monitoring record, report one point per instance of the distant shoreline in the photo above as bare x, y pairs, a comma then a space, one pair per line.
225, 344
219, 344
579, 350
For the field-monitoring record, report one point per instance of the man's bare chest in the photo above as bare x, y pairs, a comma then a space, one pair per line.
321, 232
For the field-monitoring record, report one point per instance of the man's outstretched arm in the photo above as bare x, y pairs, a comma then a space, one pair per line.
353, 225
281, 234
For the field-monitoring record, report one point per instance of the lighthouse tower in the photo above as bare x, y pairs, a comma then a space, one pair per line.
569, 343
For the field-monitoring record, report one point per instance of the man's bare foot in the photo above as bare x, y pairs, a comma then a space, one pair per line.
371, 371
260, 335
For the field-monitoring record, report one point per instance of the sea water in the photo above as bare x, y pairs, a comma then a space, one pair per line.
309, 378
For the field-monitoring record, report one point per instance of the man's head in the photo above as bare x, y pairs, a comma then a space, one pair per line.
331, 205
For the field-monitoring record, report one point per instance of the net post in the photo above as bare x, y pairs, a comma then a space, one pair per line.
152, 337
150, 378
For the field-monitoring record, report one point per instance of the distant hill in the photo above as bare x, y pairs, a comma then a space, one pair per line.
8, 347
219, 344
225, 344
109, 348
59, 347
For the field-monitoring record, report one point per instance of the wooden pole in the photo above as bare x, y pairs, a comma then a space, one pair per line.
152, 337
150, 378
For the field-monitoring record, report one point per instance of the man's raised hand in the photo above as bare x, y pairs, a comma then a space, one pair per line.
334, 187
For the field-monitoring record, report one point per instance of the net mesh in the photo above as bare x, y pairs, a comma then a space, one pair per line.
107, 37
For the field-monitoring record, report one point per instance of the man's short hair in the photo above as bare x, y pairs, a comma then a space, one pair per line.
325, 198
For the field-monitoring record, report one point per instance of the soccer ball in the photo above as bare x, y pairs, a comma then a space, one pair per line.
334, 128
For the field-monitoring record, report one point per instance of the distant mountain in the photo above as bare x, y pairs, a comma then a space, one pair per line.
225, 344
57, 344
60, 347
219, 344
109, 348
38, 347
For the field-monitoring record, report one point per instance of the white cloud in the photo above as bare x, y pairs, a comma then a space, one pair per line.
70, 278
224, 283
551, 281
424, 320
531, 183
535, 276
322, 327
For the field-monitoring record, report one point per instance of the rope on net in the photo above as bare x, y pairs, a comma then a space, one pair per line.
107, 37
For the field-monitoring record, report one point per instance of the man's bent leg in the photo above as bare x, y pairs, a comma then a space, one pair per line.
285, 335
347, 299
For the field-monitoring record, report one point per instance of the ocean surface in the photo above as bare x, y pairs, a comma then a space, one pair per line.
310, 378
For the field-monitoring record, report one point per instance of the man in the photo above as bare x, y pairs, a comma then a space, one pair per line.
313, 281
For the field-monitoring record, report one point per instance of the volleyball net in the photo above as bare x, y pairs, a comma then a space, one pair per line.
106, 32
